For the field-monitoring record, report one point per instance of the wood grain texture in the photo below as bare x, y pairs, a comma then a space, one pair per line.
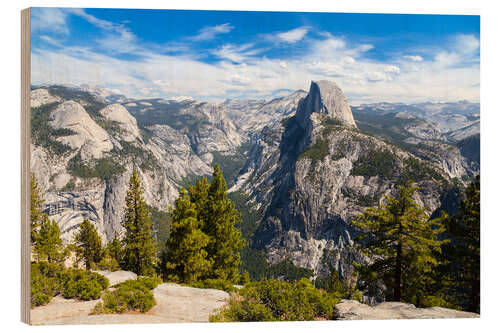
25, 165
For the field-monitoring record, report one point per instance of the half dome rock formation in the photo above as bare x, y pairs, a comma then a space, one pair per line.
325, 97
126, 122
90, 138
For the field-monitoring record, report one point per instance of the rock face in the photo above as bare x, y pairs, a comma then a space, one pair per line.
88, 137
126, 122
309, 176
325, 97
353, 310
307, 167
164, 159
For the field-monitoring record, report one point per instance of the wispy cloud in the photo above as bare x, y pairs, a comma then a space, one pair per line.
293, 36
118, 38
210, 32
51, 41
49, 20
236, 70
236, 53
416, 58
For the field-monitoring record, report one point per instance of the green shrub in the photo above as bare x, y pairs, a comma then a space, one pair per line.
107, 263
270, 300
82, 284
149, 282
44, 282
215, 284
129, 296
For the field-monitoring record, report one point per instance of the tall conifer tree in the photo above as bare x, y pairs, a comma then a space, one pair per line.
37, 216
463, 252
204, 234
402, 244
139, 242
221, 225
48, 244
186, 259
88, 244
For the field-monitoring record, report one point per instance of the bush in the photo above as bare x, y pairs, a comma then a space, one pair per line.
129, 296
107, 263
270, 300
215, 284
82, 284
44, 282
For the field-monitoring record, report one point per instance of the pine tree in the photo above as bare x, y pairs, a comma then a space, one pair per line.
221, 223
88, 244
463, 252
48, 243
185, 259
115, 249
139, 243
402, 246
37, 216
204, 241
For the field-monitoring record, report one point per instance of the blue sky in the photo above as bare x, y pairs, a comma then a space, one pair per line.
214, 55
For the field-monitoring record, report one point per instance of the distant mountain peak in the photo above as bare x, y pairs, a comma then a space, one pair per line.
325, 97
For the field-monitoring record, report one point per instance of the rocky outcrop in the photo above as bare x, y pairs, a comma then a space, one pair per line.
164, 160
41, 96
127, 123
174, 304
91, 139
325, 97
353, 310
448, 158
117, 277
309, 176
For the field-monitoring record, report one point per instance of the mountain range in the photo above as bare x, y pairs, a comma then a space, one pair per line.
306, 164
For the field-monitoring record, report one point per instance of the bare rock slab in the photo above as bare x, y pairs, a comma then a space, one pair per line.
353, 310
174, 304
118, 276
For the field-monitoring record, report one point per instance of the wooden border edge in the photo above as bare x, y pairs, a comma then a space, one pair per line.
25, 164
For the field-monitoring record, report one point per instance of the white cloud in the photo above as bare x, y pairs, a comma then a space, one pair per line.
466, 44
235, 53
50, 40
48, 20
118, 38
293, 36
415, 58
209, 32
243, 73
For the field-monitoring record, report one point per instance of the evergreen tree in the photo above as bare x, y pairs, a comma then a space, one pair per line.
204, 241
221, 223
48, 243
88, 244
37, 216
185, 259
463, 252
115, 249
402, 246
139, 243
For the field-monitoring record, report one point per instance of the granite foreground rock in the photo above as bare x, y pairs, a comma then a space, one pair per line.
353, 310
174, 304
